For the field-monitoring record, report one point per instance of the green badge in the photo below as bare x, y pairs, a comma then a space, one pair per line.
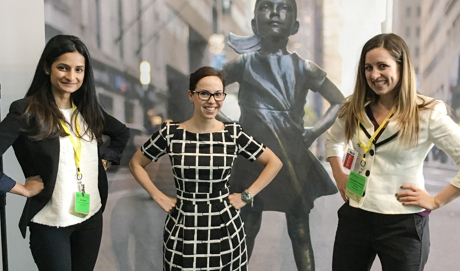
355, 186
82, 203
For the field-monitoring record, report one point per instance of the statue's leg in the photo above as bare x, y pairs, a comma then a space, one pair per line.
252, 218
299, 231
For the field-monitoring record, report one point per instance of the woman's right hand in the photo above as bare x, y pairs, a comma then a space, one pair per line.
166, 203
341, 179
33, 186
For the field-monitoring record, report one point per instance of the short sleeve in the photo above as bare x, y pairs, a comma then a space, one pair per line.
234, 69
314, 74
6, 183
157, 144
248, 147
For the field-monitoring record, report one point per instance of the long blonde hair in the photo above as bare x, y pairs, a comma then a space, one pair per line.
408, 103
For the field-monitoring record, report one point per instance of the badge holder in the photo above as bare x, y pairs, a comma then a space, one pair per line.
356, 181
356, 185
350, 159
82, 200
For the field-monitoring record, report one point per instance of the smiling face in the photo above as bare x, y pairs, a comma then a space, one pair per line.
67, 73
275, 18
381, 71
207, 109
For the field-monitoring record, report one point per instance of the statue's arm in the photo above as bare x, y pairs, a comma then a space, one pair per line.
231, 70
334, 96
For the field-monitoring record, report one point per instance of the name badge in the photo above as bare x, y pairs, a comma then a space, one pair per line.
350, 159
82, 204
355, 186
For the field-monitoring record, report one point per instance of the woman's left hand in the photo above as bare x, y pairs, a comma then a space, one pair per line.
416, 196
106, 164
236, 201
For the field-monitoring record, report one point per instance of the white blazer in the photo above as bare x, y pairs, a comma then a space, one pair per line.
389, 165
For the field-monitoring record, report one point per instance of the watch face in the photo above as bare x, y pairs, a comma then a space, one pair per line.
246, 196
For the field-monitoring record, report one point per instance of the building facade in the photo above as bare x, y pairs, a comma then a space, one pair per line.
440, 51
407, 21
170, 35
431, 30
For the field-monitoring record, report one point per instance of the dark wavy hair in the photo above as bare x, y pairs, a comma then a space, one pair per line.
205, 72
42, 113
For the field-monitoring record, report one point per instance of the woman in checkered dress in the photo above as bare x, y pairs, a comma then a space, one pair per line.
203, 229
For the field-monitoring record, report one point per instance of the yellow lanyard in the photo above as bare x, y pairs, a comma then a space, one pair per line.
77, 146
368, 146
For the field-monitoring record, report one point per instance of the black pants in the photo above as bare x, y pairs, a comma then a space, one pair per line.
402, 242
298, 225
73, 248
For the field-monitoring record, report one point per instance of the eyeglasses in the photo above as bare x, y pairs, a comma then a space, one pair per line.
206, 95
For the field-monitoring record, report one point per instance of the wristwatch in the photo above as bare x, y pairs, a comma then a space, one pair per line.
247, 197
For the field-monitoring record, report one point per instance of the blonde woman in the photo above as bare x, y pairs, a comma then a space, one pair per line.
390, 128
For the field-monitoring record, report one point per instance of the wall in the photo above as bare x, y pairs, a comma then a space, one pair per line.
22, 38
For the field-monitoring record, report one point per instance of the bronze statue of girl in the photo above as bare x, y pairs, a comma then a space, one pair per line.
273, 88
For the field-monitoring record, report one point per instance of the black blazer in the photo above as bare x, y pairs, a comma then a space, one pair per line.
42, 157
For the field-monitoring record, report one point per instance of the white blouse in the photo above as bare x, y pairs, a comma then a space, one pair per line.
390, 165
60, 210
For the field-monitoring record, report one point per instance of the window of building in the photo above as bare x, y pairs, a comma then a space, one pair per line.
129, 112
177, 26
85, 13
139, 24
417, 32
106, 102
215, 18
227, 7
408, 11
417, 51
419, 11
407, 32
416, 70
120, 28
98, 24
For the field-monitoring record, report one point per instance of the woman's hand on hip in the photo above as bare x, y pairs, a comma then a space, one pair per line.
414, 196
236, 201
166, 203
106, 164
33, 186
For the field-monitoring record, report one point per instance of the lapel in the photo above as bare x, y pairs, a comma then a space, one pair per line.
389, 134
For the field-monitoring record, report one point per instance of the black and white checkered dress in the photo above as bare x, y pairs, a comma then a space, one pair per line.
203, 232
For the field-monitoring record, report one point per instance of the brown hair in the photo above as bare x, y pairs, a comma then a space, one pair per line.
202, 72
408, 102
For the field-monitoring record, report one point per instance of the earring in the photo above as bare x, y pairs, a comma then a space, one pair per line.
47, 72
